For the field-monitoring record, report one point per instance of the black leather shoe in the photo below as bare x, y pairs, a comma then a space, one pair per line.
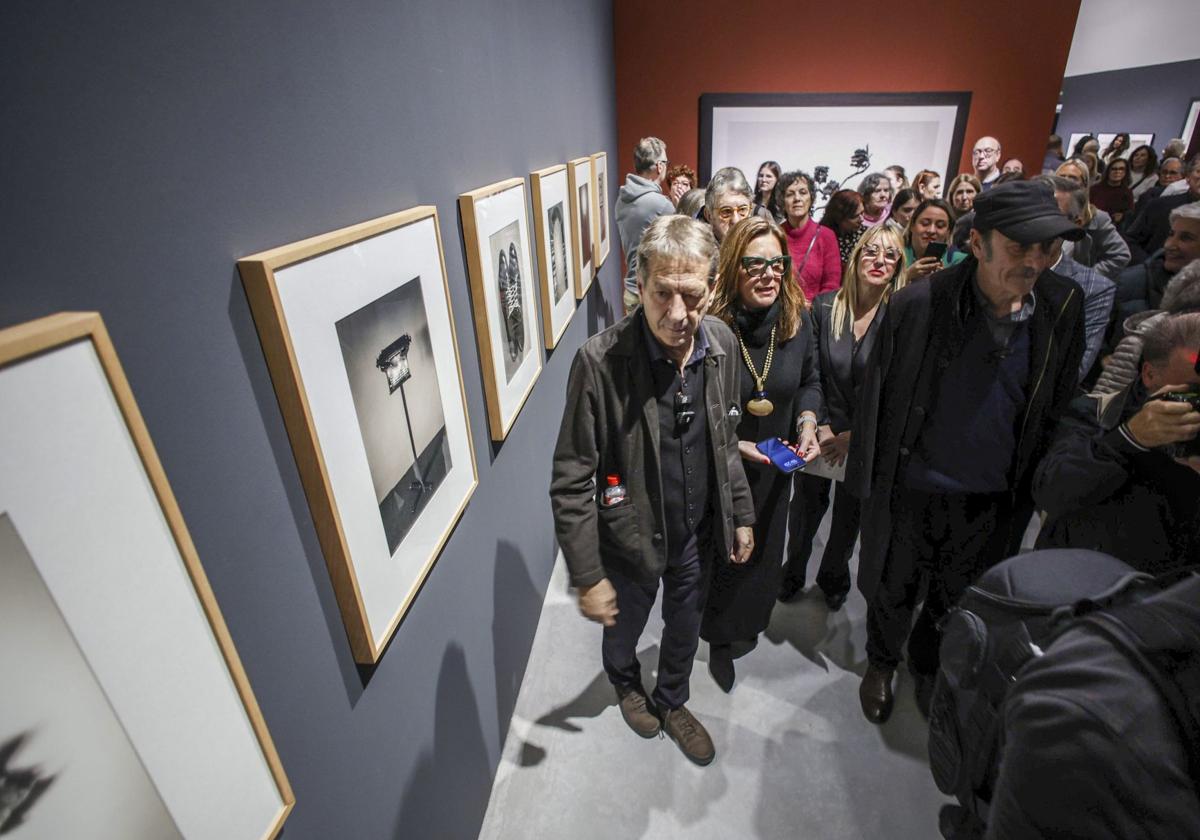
790, 589
833, 603
720, 665
875, 693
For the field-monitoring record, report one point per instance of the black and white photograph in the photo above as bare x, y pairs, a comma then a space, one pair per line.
514, 308
602, 202
392, 371
558, 251
585, 219
67, 768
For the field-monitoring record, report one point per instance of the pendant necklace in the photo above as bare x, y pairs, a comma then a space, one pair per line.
758, 405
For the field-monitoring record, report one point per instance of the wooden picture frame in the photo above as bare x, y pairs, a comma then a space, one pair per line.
347, 319
124, 698
556, 251
496, 234
1188, 133
602, 224
579, 179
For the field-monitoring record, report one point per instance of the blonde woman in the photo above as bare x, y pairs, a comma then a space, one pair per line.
845, 323
756, 293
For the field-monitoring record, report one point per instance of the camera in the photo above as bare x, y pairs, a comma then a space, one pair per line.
1190, 448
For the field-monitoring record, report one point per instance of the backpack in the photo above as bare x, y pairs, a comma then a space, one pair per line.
1001, 622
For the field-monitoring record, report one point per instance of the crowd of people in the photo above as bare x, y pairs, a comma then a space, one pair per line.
951, 365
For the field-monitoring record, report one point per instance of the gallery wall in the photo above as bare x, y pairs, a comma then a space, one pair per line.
147, 148
1138, 100
1011, 59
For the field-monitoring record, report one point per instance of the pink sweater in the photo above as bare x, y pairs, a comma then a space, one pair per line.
823, 270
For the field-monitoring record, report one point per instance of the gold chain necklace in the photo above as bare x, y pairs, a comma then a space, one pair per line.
759, 405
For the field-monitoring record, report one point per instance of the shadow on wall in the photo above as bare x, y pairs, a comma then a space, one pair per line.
447, 793
518, 607
289, 478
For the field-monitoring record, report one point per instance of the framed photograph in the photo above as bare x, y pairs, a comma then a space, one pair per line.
358, 334
1074, 139
556, 250
579, 184
1135, 140
1188, 132
497, 240
836, 137
125, 711
600, 226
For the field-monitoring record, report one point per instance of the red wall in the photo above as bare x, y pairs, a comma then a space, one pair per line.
668, 55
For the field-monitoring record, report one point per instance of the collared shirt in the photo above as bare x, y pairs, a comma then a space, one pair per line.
1002, 327
683, 447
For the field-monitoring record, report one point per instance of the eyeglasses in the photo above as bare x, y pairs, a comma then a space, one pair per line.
758, 266
984, 152
872, 252
728, 214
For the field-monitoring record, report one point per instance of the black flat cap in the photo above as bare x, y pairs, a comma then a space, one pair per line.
1025, 212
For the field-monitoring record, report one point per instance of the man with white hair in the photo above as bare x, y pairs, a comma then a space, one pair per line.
648, 485
639, 202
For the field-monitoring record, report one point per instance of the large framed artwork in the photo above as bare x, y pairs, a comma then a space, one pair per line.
1191, 137
357, 330
556, 251
1135, 140
600, 226
836, 137
497, 240
579, 182
124, 709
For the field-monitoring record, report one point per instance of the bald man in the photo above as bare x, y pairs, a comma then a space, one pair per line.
985, 157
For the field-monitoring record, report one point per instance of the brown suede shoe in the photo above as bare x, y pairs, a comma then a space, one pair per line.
683, 728
875, 693
637, 711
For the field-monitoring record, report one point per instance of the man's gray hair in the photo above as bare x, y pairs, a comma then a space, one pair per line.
1168, 334
648, 151
729, 179
1183, 292
1076, 191
1191, 212
676, 239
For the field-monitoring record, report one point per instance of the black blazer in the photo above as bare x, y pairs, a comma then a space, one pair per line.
843, 369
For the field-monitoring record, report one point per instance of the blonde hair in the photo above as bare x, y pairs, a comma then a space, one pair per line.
846, 299
729, 267
1081, 166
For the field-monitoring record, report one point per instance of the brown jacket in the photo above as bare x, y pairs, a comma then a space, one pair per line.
610, 425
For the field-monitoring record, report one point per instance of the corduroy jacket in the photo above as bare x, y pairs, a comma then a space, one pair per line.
610, 426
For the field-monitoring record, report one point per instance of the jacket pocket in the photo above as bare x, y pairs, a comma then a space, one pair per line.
619, 533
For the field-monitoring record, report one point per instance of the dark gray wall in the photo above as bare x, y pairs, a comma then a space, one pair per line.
146, 147
1136, 100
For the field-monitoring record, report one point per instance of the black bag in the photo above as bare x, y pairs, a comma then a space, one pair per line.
1001, 622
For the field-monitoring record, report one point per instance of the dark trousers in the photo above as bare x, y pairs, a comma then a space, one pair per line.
944, 541
808, 506
685, 583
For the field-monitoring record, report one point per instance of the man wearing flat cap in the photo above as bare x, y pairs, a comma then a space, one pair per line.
969, 374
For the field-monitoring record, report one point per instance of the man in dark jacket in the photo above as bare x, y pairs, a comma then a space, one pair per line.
648, 484
971, 370
639, 202
1112, 480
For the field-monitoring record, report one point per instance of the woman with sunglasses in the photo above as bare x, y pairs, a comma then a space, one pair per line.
780, 398
845, 324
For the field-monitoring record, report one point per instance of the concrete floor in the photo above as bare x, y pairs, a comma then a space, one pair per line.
795, 758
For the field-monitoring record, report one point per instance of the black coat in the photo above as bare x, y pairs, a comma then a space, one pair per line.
922, 330
1152, 226
843, 366
1101, 492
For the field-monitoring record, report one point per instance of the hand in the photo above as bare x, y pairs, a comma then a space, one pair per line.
835, 449
678, 191
749, 452
1159, 423
923, 267
598, 602
743, 545
807, 447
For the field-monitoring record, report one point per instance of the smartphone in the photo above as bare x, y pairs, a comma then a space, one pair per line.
780, 453
935, 249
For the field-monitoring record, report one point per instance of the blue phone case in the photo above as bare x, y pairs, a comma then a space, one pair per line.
780, 454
